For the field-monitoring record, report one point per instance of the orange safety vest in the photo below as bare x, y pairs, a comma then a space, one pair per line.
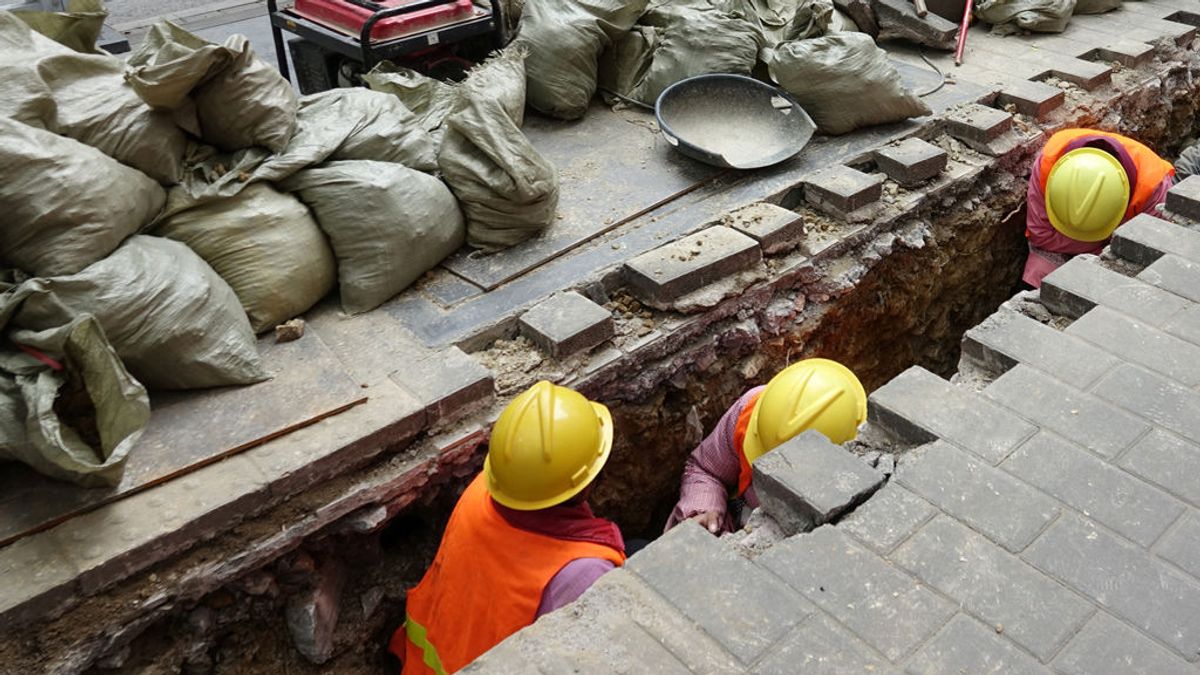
1151, 169
485, 584
739, 443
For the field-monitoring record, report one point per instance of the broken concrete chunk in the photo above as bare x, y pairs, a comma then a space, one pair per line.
312, 615
289, 331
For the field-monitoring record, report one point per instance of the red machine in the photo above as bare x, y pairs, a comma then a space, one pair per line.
350, 17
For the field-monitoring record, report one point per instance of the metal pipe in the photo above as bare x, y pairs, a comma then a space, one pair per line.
962, 32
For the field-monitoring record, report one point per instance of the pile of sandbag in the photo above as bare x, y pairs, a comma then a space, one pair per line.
1039, 16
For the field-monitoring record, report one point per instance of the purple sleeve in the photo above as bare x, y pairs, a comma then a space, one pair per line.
571, 581
1159, 195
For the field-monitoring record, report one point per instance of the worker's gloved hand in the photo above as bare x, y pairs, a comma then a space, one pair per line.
710, 520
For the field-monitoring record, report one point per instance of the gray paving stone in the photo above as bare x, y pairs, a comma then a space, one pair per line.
809, 481
1181, 546
1145, 239
1008, 511
1169, 461
746, 612
1092, 486
887, 518
898, 20
775, 228
979, 123
448, 288
1185, 325
567, 323
1007, 338
883, 606
678, 268
967, 646
1140, 343
446, 382
1123, 579
1177, 275
1080, 285
1089, 75
919, 406
1163, 402
821, 647
1106, 646
1128, 53
911, 161
842, 188
1035, 99
1088, 421
1184, 198
38, 578
1032, 609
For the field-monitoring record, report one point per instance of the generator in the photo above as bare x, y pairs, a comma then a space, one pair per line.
110, 40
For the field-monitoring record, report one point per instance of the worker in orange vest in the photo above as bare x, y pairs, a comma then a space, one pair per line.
1083, 185
522, 540
811, 394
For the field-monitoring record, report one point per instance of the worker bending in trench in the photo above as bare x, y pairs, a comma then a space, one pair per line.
522, 540
814, 394
1083, 184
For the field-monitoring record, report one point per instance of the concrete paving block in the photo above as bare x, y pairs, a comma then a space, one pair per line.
1084, 419
821, 647
746, 612
883, 606
1089, 75
1006, 510
977, 123
1181, 546
898, 20
1031, 609
1145, 239
911, 161
567, 323
1106, 646
446, 382
662, 275
38, 578
1184, 199
1177, 275
1140, 343
1162, 401
967, 646
1005, 339
1168, 461
1094, 487
1035, 99
1128, 53
775, 228
1081, 284
843, 189
1186, 325
809, 481
1123, 579
889, 517
919, 406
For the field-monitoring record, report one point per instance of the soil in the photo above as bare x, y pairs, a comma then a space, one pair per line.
74, 408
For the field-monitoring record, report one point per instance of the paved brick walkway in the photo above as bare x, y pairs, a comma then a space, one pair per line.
1046, 519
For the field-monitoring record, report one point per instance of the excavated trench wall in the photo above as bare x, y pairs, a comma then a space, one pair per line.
293, 585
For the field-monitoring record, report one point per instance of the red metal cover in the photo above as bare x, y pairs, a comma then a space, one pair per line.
349, 18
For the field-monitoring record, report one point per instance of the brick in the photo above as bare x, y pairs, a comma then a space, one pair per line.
1185, 325
994, 585
883, 606
821, 647
911, 161
1177, 275
1106, 646
920, 406
809, 481
567, 323
1128, 53
1079, 285
843, 189
775, 228
1008, 511
1123, 579
1007, 338
1035, 99
1169, 461
1095, 488
898, 20
1145, 239
1087, 74
446, 382
678, 268
1094, 424
38, 579
1139, 343
747, 612
889, 517
967, 646
1163, 402
978, 123
1181, 546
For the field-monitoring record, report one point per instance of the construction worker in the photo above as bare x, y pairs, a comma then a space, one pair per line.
812, 394
1083, 184
522, 540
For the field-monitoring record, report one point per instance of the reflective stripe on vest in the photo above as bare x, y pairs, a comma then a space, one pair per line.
1151, 169
739, 444
419, 637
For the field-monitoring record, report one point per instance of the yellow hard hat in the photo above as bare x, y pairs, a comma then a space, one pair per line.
548, 444
1087, 194
811, 394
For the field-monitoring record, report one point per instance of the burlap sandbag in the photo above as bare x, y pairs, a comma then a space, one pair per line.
429, 99
266, 246
388, 225
78, 28
565, 39
829, 76
1012, 16
171, 319
65, 205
